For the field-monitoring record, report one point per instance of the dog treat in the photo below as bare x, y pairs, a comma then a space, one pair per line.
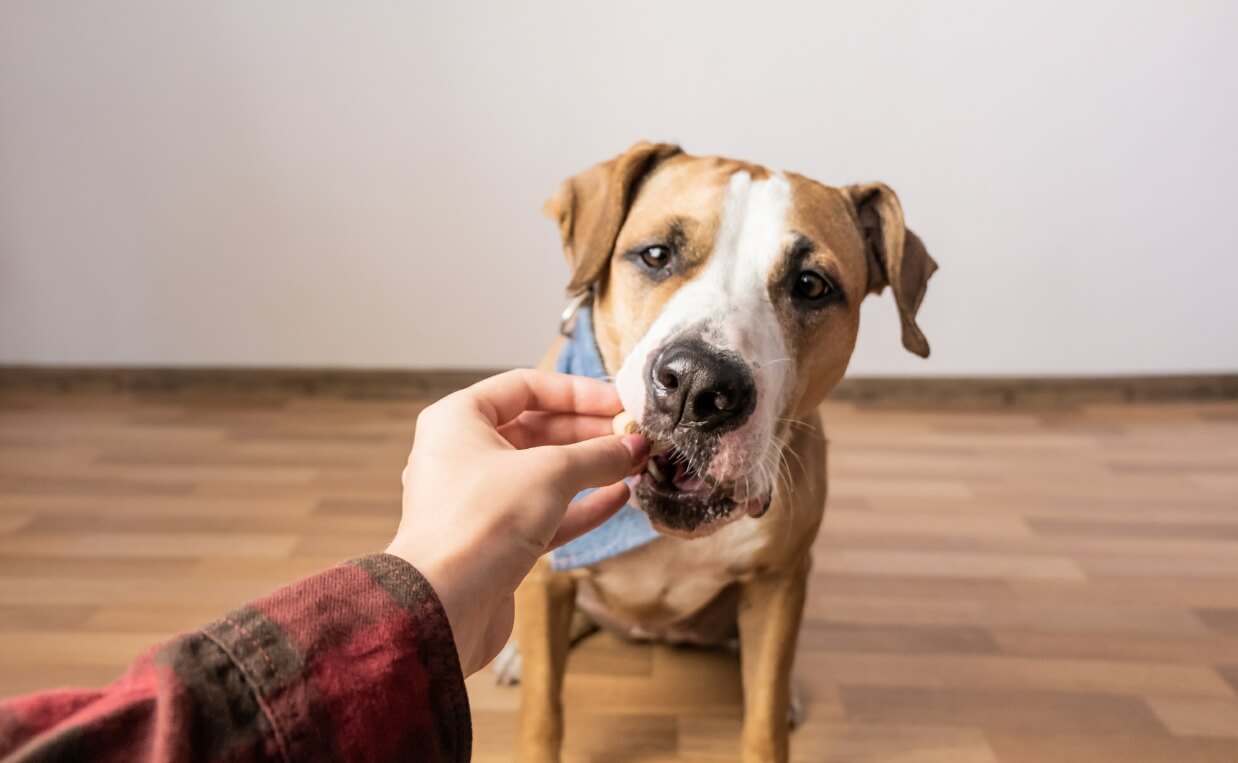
625, 424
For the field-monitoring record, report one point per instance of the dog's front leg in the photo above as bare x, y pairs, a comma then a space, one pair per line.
545, 602
771, 607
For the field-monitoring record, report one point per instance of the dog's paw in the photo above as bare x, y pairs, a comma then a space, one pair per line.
795, 710
506, 666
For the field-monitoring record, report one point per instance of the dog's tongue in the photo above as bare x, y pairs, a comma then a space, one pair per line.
689, 483
686, 480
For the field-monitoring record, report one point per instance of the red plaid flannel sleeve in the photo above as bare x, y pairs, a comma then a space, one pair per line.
356, 663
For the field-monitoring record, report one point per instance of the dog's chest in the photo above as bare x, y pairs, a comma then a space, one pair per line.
673, 589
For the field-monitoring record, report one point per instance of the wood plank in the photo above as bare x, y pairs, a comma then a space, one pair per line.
1193, 717
1019, 709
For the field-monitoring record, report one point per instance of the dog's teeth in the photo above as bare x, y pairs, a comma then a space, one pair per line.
654, 471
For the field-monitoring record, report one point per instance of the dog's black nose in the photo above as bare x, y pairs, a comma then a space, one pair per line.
697, 386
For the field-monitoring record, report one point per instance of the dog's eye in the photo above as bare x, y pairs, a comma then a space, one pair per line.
811, 287
656, 257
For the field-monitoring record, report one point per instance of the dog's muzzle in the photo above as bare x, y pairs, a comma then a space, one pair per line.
696, 394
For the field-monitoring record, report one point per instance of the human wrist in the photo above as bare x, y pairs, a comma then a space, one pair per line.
449, 577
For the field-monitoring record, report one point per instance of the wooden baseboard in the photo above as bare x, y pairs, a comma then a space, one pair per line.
1003, 391
287, 381
986, 392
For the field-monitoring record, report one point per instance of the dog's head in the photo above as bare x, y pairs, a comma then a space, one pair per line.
726, 306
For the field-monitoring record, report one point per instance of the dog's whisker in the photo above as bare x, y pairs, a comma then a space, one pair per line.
785, 447
798, 458
796, 423
769, 363
786, 496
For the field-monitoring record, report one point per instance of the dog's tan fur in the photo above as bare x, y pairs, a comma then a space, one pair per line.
749, 577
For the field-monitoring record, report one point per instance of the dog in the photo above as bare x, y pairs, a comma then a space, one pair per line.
724, 301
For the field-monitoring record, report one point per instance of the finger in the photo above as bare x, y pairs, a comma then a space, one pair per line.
536, 428
504, 397
598, 462
533, 428
590, 511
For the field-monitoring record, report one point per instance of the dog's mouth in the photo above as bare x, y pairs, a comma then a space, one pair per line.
682, 500
671, 473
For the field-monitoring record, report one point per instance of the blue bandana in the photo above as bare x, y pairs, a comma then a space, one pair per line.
627, 529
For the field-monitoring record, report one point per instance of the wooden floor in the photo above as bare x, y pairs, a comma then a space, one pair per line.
990, 586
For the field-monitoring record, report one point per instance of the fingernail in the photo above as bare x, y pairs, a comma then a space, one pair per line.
638, 447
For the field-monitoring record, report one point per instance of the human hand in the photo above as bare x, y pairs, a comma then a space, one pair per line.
487, 486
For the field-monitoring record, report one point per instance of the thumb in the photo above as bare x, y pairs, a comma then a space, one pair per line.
602, 460
589, 512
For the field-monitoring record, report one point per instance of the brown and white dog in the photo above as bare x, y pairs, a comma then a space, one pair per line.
726, 302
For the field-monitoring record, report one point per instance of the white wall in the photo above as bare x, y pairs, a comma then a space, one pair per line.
359, 184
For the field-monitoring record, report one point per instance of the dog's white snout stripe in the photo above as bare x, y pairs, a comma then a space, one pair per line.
730, 299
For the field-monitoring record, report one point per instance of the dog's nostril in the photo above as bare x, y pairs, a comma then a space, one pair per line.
712, 402
668, 378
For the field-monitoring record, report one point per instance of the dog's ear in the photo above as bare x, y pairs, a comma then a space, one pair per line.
896, 256
591, 207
